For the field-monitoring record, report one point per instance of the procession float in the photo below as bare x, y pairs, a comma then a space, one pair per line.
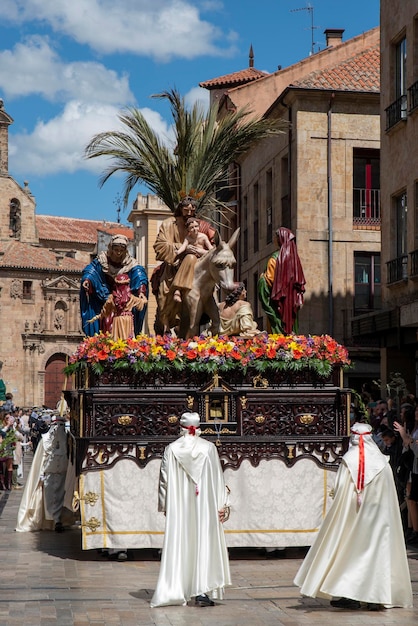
274, 405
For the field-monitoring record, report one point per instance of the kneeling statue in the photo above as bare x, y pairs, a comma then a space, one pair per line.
236, 314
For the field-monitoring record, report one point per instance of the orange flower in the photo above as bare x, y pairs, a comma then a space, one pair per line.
232, 352
297, 354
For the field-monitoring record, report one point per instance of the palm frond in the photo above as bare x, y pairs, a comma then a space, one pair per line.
204, 147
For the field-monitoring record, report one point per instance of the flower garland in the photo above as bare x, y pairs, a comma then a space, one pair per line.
262, 353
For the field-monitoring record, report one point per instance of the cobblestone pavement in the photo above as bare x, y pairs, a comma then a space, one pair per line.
46, 579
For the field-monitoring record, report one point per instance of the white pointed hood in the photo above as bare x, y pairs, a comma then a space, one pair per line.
188, 449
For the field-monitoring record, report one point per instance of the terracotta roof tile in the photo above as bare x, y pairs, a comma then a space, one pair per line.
360, 73
236, 78
69, 229
23, 255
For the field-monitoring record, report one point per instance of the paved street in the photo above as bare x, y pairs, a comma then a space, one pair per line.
47, 579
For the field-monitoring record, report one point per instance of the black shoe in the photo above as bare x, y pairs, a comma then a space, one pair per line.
375, 607
59, 528
204, 600
345, 603
413, 538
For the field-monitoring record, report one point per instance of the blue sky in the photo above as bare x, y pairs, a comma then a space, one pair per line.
68, 68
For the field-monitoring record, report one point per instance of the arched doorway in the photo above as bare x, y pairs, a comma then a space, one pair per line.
54, 380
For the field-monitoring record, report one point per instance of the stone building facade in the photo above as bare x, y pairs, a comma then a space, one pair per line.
148, 212
396, 326
41, 260
320, 179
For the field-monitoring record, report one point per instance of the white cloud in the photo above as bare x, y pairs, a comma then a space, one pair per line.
162, 29
197, 94
34, 67
9, 10
91, 95
58, 145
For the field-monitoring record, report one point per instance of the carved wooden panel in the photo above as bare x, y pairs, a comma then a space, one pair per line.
286, 416
137, 420
326, 454
247, 422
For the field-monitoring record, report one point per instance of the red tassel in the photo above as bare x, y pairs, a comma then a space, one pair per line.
361, 460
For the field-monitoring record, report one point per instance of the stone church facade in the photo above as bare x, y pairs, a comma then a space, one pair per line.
41, 260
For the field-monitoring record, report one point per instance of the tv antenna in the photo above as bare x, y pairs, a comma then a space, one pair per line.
310, 10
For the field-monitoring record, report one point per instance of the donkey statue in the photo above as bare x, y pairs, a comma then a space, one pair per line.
216, 267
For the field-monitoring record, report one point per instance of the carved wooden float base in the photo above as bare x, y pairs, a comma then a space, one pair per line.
279, 441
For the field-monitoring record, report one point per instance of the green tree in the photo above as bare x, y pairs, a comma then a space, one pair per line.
203, 147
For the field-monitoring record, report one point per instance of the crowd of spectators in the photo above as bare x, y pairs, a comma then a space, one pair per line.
20, 429
395, 430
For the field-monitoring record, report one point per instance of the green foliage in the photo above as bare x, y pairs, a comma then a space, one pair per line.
197, 159
362, 413
8, 443
97, 368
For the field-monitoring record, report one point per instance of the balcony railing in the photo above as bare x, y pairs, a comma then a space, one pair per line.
396, 112
414, 263
413, 96
397, 269
366, 207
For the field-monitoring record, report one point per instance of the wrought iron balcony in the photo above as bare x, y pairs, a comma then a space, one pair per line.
414, 263
397, 269
396, 112
366, 207
413, 96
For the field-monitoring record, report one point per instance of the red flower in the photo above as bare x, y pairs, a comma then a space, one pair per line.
297, 354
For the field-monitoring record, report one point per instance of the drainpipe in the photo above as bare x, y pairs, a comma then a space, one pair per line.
330, 231
238, 210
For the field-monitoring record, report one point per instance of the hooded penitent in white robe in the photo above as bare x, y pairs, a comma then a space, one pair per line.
43, 495
194, 559
359, 552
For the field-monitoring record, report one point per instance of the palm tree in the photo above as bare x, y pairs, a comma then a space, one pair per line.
205, 144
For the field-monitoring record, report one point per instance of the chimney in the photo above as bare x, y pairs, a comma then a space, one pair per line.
334, 36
